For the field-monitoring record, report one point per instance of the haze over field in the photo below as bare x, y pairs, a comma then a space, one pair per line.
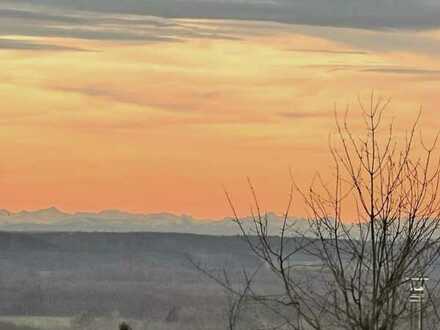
53, 281
154, 106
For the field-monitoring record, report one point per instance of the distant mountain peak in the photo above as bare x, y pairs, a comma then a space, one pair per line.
46, 215
5, 212
50, 211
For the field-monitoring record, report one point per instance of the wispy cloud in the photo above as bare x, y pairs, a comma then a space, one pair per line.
373, 41
404, 70
93, 25
328, 51
123, 96
303, 114
381, 69
13, 44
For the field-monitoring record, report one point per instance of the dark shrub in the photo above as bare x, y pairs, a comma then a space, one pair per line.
124, 326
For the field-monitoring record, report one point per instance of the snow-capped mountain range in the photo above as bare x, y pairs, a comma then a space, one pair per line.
53, 219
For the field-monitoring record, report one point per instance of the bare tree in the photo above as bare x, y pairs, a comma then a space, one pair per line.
236, 296
365, 256
236, 300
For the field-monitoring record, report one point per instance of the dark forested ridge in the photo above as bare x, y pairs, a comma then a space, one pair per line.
100, 242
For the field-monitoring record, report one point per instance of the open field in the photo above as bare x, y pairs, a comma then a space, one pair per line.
46, 322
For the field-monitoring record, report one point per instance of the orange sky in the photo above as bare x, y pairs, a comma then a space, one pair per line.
163, 126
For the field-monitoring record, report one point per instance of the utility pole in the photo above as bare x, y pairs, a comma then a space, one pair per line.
417, 292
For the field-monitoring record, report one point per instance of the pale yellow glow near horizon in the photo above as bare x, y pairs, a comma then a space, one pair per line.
164, 126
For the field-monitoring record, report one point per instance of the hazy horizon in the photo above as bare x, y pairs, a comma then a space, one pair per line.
117, 221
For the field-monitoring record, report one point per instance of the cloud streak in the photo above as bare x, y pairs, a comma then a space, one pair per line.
328, 51
379, 69
53, 22
404, 70
303, 114
12, 44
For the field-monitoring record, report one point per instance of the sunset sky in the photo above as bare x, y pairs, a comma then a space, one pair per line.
157, 105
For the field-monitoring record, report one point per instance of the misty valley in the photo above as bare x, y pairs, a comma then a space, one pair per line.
96, 280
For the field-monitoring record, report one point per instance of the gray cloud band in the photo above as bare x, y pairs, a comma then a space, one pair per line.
28, 45
406, 14
43, 22
134, 21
